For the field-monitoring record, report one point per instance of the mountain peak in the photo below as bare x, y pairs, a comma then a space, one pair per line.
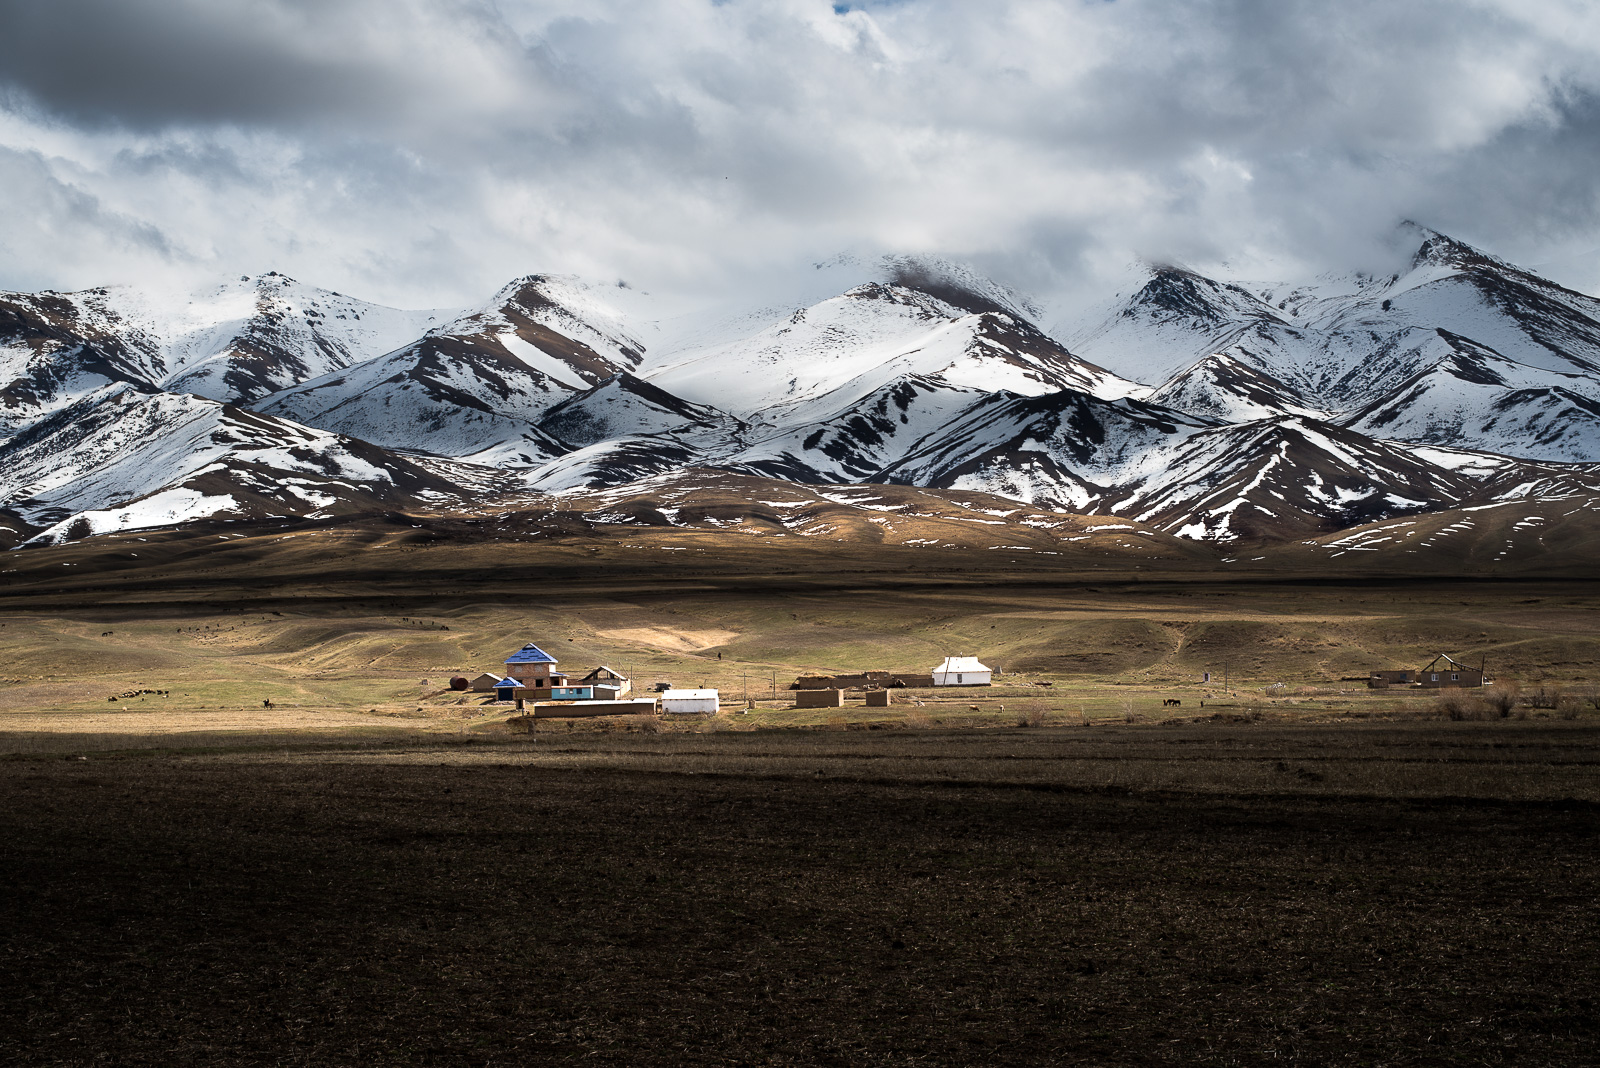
1442, 250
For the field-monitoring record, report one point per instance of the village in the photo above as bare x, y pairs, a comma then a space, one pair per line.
534, 685
536, 688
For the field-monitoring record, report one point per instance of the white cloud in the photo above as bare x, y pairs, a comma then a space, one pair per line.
422, 152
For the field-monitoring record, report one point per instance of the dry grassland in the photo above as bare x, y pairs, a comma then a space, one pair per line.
333, 640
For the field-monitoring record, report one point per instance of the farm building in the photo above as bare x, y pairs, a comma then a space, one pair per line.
484, 683
1442, 673
689, 701
962, 671
607, 683
633, 706
821, 698
534, 667
866, 680
531, 675
1445, 672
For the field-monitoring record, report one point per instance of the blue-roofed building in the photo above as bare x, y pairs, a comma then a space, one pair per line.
506, 689
534, 667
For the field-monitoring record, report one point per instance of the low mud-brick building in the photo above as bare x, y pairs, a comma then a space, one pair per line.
1445, 672
1442, 673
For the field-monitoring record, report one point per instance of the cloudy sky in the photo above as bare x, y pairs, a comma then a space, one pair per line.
422, 152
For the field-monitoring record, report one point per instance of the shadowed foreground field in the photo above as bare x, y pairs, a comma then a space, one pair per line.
1220, 894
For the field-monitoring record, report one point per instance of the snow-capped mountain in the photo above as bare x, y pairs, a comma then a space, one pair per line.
624, 405
1229, 388
1476, 398
127, 456
474, 386
237, 341
49, 360
1178, 318
864, 437
1060, 449
1280, 478
1206, 408
868, 337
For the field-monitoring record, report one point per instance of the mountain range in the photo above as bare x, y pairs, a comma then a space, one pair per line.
1205, 409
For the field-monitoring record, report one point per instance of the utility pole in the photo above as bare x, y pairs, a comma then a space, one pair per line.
1225, 676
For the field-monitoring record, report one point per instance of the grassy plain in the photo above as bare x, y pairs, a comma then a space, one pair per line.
344, 629
374, 871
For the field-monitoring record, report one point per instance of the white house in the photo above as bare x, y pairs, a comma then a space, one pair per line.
961, 671
681, 701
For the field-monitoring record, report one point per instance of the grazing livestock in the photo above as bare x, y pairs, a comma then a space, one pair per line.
1170, 701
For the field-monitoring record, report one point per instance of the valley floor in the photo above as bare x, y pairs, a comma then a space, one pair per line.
375, 870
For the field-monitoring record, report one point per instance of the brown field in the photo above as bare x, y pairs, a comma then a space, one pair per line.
1218, 894
375, 871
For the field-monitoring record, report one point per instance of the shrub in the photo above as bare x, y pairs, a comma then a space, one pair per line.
1502, 697
1459, 705
1544, 697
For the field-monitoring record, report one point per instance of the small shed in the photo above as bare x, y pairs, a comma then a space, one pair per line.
689, 701
962, 671
506, 689
485, 682
613, 682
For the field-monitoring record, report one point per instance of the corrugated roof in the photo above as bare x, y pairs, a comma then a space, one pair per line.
530, 654
688, 695
960, 663
508, 681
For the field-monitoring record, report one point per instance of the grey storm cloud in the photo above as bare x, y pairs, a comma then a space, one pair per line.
426, 150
